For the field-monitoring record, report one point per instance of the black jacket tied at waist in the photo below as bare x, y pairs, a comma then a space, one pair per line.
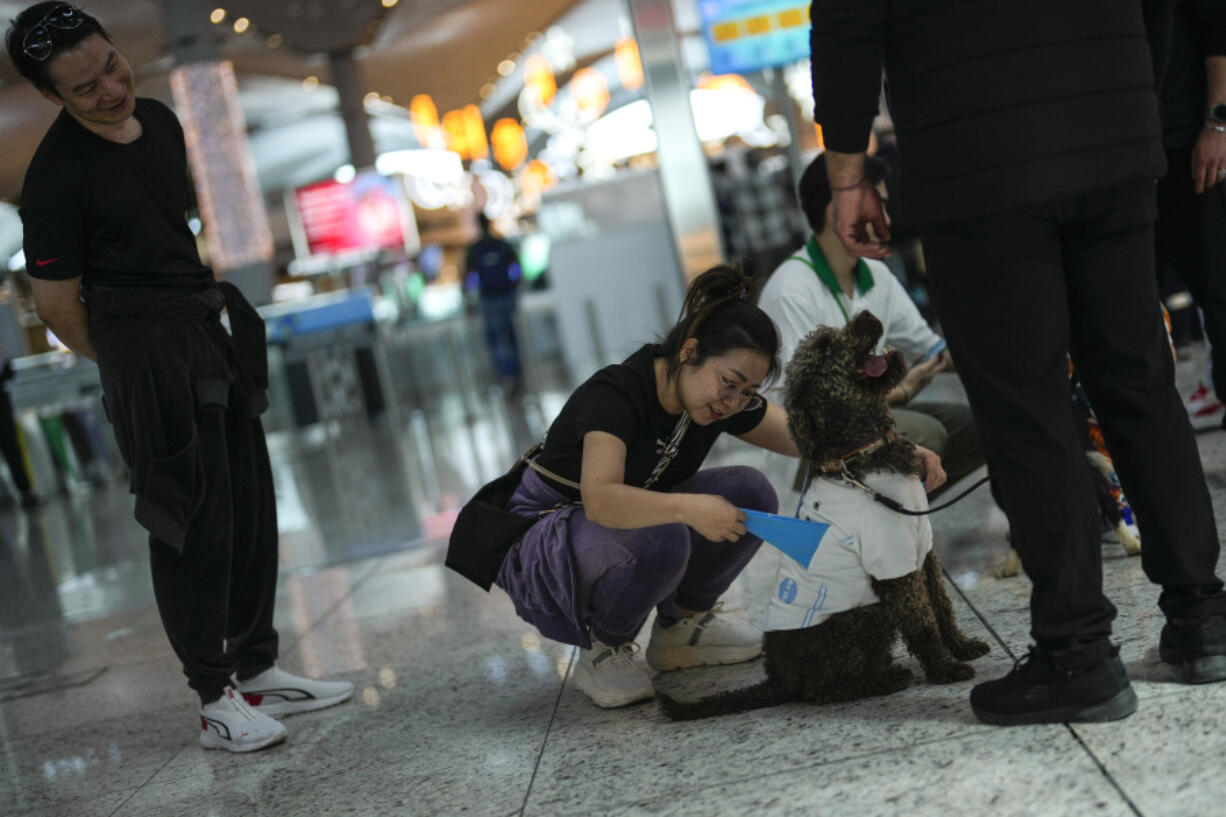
164, 357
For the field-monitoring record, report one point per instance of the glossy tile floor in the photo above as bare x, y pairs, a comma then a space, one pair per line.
462, 709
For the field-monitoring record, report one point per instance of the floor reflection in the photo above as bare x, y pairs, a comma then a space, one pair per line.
346, 490
460, 703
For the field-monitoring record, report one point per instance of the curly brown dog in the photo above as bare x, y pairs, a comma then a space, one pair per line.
836, 402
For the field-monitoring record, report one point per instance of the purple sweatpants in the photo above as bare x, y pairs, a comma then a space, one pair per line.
573, 579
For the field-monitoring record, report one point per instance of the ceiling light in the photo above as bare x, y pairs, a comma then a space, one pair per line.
310, 83
387, 4
371, 98
218, 15
274, 41
506, 68
241, 25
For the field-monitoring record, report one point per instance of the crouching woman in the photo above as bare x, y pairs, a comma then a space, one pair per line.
627, 520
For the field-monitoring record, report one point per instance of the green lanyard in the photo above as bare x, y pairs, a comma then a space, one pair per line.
818, 263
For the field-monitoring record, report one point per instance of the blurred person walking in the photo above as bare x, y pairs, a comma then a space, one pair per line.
1030, 141
115, 273
493, 267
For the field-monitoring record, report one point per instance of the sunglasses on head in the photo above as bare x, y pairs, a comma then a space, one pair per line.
39, 42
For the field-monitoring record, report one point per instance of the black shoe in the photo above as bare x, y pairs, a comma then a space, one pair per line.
1197, 647
1058, 686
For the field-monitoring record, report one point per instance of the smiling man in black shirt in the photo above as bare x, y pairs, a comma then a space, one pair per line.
115, 273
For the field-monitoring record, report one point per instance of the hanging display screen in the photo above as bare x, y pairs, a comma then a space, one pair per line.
748, 35
371, 212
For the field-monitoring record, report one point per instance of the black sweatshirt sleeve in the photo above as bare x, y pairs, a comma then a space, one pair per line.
845, 45
1211, 20
1158, 22
54, 218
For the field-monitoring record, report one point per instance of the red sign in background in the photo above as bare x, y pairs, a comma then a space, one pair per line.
364, 214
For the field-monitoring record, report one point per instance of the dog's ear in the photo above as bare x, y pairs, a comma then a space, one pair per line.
804, 393
806, 425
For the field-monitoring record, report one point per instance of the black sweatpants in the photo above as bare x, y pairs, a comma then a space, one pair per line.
1015, 292
1191, 240
216, 599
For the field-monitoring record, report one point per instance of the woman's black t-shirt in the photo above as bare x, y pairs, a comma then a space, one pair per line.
621, 399
114, 213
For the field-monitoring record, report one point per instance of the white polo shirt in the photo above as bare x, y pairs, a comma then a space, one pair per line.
798, 302
865, 540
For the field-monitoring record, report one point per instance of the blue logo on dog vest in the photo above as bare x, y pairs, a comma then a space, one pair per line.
787, 591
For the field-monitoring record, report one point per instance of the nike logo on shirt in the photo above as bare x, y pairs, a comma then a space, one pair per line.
40, 262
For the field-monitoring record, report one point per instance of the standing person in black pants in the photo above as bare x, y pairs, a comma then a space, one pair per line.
1191, 226
115, 274
8, 439
1030, 141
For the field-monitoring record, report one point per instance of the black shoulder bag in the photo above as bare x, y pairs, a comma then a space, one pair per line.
485, 531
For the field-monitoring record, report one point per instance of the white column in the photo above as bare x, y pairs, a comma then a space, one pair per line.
240, 242
688, 196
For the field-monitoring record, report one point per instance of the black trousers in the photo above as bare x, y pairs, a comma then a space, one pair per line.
1191, 241
1015, 292
216, 599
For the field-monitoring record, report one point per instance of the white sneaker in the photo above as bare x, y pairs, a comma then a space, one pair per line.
702, 639
609, 676
277, 693
228, 723
1204, 409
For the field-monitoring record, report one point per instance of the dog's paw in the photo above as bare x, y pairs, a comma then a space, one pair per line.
950, 672
898, 679
965, 648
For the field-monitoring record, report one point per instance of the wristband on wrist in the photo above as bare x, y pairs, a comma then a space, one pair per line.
848, 187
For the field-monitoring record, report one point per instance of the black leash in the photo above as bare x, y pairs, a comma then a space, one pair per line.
893, 504
897, 507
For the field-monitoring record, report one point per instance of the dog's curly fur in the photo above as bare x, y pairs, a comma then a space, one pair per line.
834, 406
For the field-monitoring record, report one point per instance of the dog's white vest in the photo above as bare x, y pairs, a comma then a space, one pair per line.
865, 539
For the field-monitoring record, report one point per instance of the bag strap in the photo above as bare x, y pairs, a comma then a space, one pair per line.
671, 449
667, 455
545, 472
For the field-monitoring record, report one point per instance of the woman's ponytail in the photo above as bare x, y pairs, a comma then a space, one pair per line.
719, 313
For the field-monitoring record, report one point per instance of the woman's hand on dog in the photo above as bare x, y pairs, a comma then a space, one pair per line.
934, 474
714, 517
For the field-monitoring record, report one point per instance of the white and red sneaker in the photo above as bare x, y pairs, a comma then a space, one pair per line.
1205, 410
278, 693
228, 723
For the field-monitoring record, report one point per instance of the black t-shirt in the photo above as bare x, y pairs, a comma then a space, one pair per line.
621, 399
115, 214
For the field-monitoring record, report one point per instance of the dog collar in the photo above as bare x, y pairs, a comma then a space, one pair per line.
836, 466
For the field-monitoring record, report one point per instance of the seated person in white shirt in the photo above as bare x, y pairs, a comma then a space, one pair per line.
824, 285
